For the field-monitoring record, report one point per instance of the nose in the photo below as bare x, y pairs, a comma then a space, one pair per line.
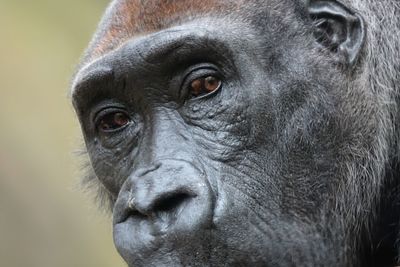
170, 194
149, 198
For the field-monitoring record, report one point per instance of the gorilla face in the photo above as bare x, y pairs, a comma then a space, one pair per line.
234, 137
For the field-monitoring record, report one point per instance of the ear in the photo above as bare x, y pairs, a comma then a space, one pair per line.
338, 28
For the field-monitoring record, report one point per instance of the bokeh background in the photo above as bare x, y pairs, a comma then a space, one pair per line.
46, 220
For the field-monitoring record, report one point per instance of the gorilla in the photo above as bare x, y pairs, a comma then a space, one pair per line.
246, 132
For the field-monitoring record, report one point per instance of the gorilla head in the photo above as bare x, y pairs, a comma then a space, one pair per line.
246, 133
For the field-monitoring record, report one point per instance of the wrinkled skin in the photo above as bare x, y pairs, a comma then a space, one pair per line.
290, 161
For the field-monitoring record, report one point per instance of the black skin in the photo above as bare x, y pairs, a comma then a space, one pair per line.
255, 172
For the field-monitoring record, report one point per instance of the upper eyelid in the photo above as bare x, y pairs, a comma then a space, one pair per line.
208, 69
100, 110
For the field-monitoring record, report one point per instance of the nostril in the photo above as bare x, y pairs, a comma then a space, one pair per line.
135, 213
170, 202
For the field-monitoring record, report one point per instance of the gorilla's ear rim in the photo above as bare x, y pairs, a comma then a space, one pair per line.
338, 28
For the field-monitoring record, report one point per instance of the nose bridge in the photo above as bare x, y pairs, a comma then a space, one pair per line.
164, 137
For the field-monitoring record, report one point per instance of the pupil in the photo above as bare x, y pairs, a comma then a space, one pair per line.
211, 83
120, 119
205, 85
196, 87
114, 121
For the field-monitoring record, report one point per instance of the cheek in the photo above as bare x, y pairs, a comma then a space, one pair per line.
242, 218
220, 126
112, 167
223, 141
112, 155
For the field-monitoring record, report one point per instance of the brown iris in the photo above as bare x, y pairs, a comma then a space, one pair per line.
113, 121
204, 85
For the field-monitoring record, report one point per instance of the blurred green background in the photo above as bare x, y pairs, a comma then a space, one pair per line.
45, 218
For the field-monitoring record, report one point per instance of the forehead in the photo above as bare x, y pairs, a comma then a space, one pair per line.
125, 19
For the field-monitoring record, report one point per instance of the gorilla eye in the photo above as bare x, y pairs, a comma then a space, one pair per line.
112, 121
205, 85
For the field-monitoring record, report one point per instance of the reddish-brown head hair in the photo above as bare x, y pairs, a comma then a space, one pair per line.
125, 19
